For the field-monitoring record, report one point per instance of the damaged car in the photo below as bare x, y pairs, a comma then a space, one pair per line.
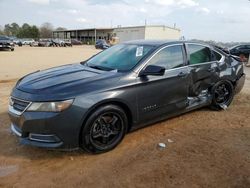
93, 104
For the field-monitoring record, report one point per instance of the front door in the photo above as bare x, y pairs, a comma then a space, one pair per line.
167, 94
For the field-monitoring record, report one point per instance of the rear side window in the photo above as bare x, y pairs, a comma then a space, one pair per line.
170, 57
217, 56
199, 54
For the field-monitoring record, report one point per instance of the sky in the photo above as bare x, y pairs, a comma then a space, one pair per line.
219, 20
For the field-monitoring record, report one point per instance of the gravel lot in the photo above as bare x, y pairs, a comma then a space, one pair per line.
209, 149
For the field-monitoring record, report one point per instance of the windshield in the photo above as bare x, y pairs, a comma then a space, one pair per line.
4, 38
122, 57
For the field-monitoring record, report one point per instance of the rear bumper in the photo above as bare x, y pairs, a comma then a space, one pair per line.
240, 83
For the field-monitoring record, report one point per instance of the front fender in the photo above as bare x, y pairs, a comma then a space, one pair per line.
92, 101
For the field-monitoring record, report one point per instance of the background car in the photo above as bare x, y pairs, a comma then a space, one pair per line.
6, 43
241, 50
101, 44
67, 42
76, 42
34, 44
45, 43
58, 43
16, 41
27, 41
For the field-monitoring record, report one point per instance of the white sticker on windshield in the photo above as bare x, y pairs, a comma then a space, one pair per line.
139, 51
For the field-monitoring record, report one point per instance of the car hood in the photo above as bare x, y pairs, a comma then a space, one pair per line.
65, 80
5, 41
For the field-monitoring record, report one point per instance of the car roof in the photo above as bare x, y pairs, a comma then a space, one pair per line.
244, 44
162, 42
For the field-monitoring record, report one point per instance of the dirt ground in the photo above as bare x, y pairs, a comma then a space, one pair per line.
209, 148
25, 60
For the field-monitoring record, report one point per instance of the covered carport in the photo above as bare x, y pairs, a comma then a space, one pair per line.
85, 35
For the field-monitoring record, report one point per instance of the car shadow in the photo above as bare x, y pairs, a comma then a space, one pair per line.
10, 146
5, 50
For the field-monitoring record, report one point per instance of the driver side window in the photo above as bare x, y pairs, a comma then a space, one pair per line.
169, 57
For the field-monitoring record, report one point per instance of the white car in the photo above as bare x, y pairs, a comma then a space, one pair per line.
27, 41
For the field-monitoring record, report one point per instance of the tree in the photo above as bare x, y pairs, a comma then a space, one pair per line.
34, 32
24, 31
7, 30
25, 26
61, 29
1, 30
46, 30
11, 29
27, 31
14, 29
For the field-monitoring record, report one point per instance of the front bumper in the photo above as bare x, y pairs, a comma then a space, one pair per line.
6, 46
240, 83
48, 129
38, 140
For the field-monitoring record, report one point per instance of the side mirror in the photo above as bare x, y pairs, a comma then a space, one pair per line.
152, 70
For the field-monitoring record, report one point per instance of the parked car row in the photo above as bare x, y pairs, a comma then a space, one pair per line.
52, 42
42, 42
56, 42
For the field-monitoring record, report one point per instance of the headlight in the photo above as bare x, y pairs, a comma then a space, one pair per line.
50, 106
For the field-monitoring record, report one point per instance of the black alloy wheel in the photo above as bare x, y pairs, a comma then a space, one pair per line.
223, 93
104, 129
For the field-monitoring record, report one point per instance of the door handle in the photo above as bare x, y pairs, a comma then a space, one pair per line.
182, 74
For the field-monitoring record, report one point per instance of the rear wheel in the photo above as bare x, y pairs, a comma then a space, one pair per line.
223, 93
104, 129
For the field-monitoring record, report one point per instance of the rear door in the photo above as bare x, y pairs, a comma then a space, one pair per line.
204, 68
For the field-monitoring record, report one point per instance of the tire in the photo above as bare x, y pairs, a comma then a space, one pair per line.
12, 49
104, 129
221, 88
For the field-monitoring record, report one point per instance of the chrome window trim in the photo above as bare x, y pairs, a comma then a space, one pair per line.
222, 56
146, 62
210, 62
208, 46
205, 63
205, 45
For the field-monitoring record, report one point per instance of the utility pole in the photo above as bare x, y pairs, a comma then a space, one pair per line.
95, 35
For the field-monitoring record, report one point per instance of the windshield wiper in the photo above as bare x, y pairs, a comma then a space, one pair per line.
99, 67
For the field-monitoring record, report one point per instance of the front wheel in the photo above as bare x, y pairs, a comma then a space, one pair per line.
223, 94
104, 129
